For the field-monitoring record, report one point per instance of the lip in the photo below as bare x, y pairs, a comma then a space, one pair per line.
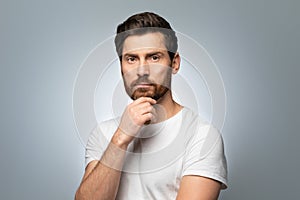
143, 85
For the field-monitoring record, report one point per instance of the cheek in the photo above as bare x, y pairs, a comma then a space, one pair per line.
128, 70
128, 76
161, 73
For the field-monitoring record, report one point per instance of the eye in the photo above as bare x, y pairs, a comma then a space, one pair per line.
155, 58
130, 59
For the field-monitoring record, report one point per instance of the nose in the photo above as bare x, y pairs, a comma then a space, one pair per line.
143, 69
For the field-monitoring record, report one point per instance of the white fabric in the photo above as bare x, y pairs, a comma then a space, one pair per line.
164, 153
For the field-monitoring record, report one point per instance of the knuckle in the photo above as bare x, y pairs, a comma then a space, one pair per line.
131, 110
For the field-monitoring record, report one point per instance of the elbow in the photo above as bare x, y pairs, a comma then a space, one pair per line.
79, 195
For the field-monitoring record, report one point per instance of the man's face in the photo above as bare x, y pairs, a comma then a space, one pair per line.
146, 66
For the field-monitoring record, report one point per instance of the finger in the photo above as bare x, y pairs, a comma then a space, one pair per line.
139, 109
153, 116
145, 108
147, 117
144, 99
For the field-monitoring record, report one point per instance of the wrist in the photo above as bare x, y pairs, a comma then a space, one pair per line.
120, 139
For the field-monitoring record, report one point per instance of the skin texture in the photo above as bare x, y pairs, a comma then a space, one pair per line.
146, 71
198, 188
143, 56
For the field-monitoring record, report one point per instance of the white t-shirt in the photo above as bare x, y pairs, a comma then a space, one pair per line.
163, 153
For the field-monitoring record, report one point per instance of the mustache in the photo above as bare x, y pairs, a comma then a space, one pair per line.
142, 79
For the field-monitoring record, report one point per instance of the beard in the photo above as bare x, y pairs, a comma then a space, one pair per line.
154, 91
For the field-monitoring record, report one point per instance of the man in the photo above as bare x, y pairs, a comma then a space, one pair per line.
158, 149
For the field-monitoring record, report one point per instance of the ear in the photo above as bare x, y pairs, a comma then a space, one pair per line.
176, 63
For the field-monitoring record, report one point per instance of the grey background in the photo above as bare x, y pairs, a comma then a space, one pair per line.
254, 43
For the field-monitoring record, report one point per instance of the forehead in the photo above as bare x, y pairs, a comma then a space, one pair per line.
148, 41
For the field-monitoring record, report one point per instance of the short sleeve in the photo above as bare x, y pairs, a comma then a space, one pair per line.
205, 156
95, 146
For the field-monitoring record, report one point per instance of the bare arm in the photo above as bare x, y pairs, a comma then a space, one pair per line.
198, 188
101, 179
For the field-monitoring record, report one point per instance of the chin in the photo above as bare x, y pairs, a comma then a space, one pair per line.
136, 96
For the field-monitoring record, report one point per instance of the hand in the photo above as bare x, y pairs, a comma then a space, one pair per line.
136, 114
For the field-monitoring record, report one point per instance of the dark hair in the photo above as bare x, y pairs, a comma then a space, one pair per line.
143, 23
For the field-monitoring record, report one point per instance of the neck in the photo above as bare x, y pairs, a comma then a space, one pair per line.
167, 106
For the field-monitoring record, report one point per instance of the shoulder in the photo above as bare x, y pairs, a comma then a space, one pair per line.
108, 125
200, 133
197, 124
99, 139
104, 130
190, 116
204, 153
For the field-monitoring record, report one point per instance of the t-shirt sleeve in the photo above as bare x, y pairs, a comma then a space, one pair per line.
205, 156
95, 146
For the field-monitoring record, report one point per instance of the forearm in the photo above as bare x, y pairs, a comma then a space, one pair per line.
103, 181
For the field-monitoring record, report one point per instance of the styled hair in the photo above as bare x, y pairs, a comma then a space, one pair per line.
142, 23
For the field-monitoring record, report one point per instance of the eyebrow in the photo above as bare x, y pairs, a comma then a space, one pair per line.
147, 54
129, 55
